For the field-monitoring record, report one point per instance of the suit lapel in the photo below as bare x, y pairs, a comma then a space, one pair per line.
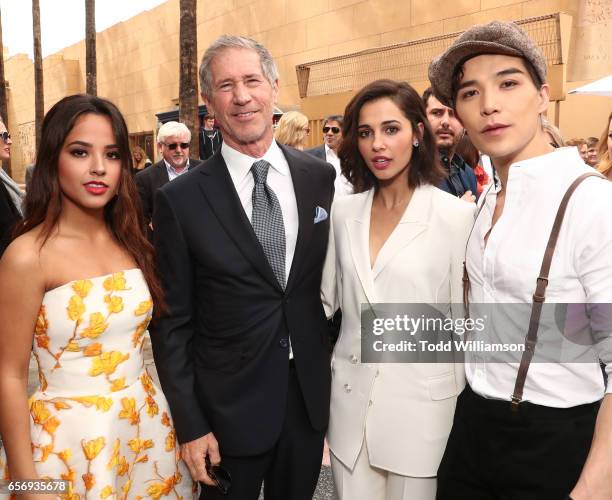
411, 225
162, 174
358, 229
304, 198
218, 188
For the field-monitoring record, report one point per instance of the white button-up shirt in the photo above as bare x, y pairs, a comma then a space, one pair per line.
505, 268
279, 180
342, 186
172, 172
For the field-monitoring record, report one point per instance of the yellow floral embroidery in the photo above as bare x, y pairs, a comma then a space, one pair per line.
89, 480
114, 460
165, 420
65, 455
115, 282
69, 476
39, 412
61, 405
147, 383
40, 330
97, 325
73, 346
82, 287
144, 307
51, 424
106, 492
129, 410
113, 304
42, 324
100, 402
137, 445
76, 308
46, 451
142, 459
156, 490
93, 447
152, 408
107, 363
171, 440
118, 384
126, 487
139, 332
123, 467
94, 349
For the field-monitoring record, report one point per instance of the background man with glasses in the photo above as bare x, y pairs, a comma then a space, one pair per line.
332, 133
10, 194
173, 140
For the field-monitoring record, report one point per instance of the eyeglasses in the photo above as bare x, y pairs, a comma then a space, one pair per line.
334, 130
220, 476
5, 137
174, 145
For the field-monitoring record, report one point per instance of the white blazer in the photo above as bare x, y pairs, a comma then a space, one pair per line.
404, 411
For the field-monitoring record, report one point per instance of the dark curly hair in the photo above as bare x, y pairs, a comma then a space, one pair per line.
424, 165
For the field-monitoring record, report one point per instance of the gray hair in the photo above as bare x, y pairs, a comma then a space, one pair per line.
172, 128
224, 42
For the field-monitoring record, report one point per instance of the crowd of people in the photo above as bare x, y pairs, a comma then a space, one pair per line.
240, 267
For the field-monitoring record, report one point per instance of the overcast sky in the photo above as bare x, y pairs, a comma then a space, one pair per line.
62, 22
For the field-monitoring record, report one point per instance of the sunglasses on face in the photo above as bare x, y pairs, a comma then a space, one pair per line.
174, 145
335, 130
5, 137
220, 476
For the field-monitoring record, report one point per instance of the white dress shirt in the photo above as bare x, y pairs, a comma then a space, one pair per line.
342, 186
504, 270
172, 172
279, 180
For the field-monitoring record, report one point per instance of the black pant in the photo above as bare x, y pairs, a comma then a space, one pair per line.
493, 453
289, 470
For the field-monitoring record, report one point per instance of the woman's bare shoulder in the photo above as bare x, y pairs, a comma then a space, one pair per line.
23, 255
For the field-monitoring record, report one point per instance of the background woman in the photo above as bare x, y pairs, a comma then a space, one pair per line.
78, 284
605, 150
140, 160
399, 240
292, 130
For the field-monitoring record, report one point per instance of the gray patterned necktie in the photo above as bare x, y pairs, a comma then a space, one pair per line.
267, 221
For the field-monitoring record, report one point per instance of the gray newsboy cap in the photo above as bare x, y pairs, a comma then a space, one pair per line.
496, 37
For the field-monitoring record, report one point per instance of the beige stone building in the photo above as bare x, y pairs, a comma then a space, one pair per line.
138, 59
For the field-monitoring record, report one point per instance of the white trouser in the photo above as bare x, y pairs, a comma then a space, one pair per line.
365, 482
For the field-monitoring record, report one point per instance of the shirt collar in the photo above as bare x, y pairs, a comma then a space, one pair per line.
239, 164
330, 151
170, 167
548, 167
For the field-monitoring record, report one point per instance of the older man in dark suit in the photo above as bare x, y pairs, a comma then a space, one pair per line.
242, 353
173, 139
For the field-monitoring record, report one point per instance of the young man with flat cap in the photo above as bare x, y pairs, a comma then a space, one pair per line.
540, 430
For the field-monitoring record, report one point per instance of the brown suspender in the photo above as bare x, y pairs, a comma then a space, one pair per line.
540, 292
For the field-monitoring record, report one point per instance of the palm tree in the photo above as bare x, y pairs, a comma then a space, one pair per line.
90, 47
3, 98
188, 71
39, 100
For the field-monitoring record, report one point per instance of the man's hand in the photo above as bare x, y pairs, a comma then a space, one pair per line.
193, 454
468, 196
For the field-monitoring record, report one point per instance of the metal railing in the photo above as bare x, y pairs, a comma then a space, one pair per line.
407, 61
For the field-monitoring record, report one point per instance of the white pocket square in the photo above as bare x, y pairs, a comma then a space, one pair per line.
320, 215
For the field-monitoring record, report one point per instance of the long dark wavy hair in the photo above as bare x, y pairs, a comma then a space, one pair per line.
123, 215
424, 165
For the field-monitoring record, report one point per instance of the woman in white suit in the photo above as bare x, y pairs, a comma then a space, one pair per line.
398, 240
